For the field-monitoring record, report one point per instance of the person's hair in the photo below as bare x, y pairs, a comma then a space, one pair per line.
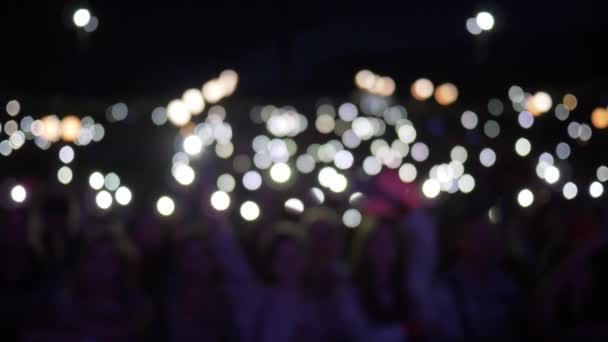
363, 273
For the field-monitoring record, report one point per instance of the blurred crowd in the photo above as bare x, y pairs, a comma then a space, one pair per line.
403, 274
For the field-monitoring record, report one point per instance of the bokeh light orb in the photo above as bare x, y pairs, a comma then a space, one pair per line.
485, 20
165, 206
252, 180
352, 218
525, 198
523, 147
194, 101
280, 172
123, 196
70, 128
596, 189
599, 118
96, 180
220, 200
178, 113
570, 190
422, 89
446, 94
18, 193
193, 145
65, 175
294, 206
81, 17
103, 200
249, 211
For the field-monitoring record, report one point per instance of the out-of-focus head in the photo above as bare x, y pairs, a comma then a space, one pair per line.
101, 264
480, 242
378, 246
286, 256
193, 260
55, 211
324, 238
147, 231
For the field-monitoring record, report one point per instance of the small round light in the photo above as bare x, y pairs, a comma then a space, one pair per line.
96, 180
18, 194
422, 89
103, 200
66, 154
250, 211
487, 157
570, 190
220, 200
551, 174
466, 183
408, 173
64, 175
431, 188
252, 180
485, 21
280, 172
81, 17
523, 147
525, 198
123, 195
112, 181
352, 218
226, 182
165, 206
294, 205
193, 145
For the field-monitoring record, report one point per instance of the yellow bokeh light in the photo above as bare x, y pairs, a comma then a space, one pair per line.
570, 101
70, 128
599, 118
446, 94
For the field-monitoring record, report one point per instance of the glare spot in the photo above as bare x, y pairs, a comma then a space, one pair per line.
123, 195
103, 200
570, 190
96, 180
250, 211
64, 175
352, 218
523, 147
525, 198
81, 17
485, 21
165, 206
431, 188
18, 194
294, 205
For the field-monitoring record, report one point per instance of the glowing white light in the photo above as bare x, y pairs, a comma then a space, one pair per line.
523, 147
574, 130
551, 174
338, 184
226, 182
249, 211
431, 188
459, 154
344, 160
542, 102
81, 17
422, 89
407, 133
18, 194
485, 21
165, 206
252, 180
294, 205
596, 189
96, 180
469, 120
193, 100
570, 190
371, 165
525, 198
280, 172
352, 218
103, 200
193, 145
602, 173
408, 173
487, 157
183, 173
178, 113
123, 195
92, 25
516, 94
111, 181
326, 176
220, 200
212, 91
466, 183
420, 152
17, 140
5, 148
472, 26
64, 175
66, 154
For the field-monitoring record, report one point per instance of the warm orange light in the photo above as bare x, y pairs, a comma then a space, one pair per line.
446, 94
570, 101
52, 129
422, 89
70, 128
599, 118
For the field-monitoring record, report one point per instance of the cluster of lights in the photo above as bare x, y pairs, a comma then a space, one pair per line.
483, 21
375, 84
105, 186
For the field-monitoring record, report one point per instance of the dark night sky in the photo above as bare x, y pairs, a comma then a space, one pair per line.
152, 49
